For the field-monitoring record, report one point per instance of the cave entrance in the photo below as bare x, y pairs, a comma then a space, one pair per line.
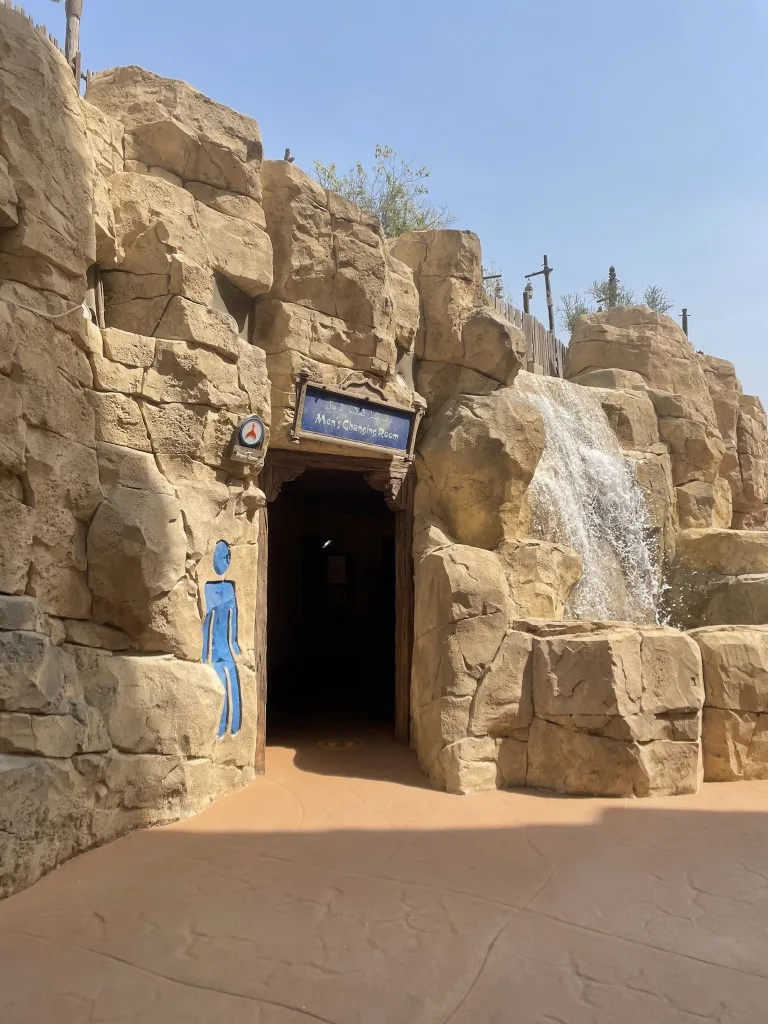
339, 599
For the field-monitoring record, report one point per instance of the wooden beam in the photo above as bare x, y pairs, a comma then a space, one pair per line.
404, 596
260, 643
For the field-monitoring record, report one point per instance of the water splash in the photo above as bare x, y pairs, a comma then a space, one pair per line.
585, 494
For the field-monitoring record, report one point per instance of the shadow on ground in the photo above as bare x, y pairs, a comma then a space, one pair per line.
311, 898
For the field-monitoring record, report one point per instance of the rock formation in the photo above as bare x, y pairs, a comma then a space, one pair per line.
113, 481
160, 282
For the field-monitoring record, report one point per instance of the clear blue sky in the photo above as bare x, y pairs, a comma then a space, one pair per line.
630, 132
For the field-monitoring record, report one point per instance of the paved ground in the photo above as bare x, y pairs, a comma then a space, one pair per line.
339, 889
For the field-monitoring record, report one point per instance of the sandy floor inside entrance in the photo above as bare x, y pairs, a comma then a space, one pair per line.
340, 889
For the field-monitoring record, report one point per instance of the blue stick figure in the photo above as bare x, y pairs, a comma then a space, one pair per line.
220, 636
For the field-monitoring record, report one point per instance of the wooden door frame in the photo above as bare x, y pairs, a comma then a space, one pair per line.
395, 479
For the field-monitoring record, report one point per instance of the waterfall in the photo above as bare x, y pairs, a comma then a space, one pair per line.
585, 494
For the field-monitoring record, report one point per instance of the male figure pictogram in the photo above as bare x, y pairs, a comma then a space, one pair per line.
220, 637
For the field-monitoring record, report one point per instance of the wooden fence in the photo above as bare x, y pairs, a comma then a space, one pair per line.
41, 29
544, 354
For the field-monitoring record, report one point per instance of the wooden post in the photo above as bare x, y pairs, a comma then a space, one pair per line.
404, 609
527, 295
685, 321
550, 304
72, 44
260, 643
546, 271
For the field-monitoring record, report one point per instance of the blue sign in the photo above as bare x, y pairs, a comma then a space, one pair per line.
220, 643
354, 419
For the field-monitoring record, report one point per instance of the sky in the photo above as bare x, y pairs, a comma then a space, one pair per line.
630, 132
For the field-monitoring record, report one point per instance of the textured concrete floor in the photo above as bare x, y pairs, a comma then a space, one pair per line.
339, 889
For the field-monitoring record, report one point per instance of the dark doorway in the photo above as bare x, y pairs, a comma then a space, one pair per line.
331, 607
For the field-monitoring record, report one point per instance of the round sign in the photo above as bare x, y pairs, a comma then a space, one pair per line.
252, 432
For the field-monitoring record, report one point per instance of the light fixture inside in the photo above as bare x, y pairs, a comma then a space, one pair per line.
326, 545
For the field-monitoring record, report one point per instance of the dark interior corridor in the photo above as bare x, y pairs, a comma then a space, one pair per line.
331, 607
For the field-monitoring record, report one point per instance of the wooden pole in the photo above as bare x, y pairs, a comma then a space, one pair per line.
72, 44
550, 304
685, 321
546, 271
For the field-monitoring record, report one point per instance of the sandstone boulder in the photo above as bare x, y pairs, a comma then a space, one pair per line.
611, 377
566, 761
118, 420
475, 463
137, 552
742, 424
299, 225
406, 301
689, 428
598, 674
12, 428
737, 600
724, 552
457, 328
700, 575
31, 676
631, 416
456, 582
152, 705
134, 303
133, 350
618, 712
469, 765
239, 249
701, 505
22, 612
49, 239
63, 488
735, 728
170, 125
653, 472
541, 577
725, 391
105, 135
338, 296
9, 200
290, 327
15, 543
233, 204
440, 381
54, 372
735, 664
36, 792
153, 219
460, 622
750, 487
502, 704
735, 745
186, 373
184, 320
636, 339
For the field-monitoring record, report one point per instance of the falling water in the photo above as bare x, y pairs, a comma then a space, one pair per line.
585, 494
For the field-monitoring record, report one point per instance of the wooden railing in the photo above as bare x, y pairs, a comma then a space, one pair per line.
544, 354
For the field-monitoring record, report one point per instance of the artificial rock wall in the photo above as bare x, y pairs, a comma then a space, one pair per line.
128, 562
115, 491
129, 659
